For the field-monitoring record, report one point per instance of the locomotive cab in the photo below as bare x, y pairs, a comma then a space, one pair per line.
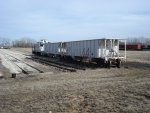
38, 48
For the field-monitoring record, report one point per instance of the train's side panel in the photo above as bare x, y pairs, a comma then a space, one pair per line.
87, 48
92, 48
37, 47
51, 48
46, 47
55, 49
101, 50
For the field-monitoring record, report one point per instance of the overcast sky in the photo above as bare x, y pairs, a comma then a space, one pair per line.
63, 20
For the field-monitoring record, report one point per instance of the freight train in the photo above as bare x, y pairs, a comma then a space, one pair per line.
130, 46
103, 52
137, 46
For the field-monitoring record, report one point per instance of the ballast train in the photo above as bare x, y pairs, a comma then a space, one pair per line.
101, 51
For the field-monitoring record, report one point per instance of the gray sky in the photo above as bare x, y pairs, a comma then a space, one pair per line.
63, 20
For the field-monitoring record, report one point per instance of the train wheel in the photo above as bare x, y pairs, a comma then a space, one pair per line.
118, 63
108, 64
101, 63
105, 65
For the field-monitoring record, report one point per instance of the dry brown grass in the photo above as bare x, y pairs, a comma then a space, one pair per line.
25, 50
125, 90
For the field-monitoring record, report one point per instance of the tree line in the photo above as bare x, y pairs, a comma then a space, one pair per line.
139, 40
23, 42
28, 42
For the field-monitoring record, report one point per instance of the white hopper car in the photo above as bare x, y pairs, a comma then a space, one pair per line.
101, 51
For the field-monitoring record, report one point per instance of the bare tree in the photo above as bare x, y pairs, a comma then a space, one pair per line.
136, 40
24, 42
5, 42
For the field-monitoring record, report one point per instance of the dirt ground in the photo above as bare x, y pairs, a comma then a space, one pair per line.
25, 50
124, 90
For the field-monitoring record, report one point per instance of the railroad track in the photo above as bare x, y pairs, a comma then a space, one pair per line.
23, 66
58, 65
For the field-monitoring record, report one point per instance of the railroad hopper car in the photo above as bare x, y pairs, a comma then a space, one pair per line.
52, 49
100, 51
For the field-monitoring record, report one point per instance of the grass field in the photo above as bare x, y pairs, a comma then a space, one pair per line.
124, 90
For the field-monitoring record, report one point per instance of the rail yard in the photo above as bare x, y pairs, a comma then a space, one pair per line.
74, 56
46, 88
